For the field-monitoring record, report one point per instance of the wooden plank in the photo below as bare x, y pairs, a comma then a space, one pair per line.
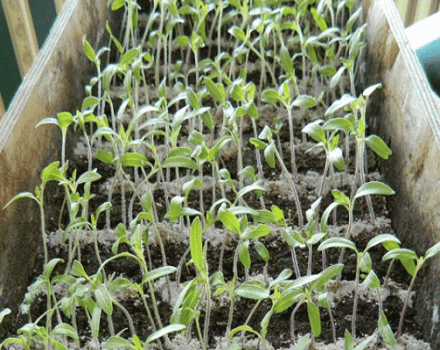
422, 12
402, 6
410, 12
22, 31
55, 83
407, 117
59, 5
2, 106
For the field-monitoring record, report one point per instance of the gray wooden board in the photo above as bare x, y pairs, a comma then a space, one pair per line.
405, 113
55, 83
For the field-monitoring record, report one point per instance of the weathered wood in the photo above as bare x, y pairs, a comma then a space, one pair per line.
21, 28
54, 83
2, 106
59, 5
406, 113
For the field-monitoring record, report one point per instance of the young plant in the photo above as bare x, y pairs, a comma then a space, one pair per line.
283, 95
407, 257
271, 153
49, 173
363, 261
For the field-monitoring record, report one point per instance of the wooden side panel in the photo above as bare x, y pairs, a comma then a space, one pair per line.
55, 83
2, 106
21, 27
59, 5
407, 118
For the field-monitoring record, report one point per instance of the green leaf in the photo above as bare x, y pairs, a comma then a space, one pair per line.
326, 276
341, 103
4, 313
400, 253
365, 343
374, 187
88, 50
192, 98
287, 299
337, 77
286, 60
117, 4
50, 266
104, 300
262, 251
64, 120
65, 329
21, 195
284, 275
315, 131
270, 96
303, 342
304, 101
120, 283
255, 290
129, 56
348, 341
237, 33
327, 71
214, 90
337, 242
378, 146
256, 186
325, 215
314, 318
133, 159
52, 172
166, 330
48, 121
253, 232
338, 124
196, 244
269, 154
78, 270
181, 40
229, 220
207, 119
260, 145
341, 198
366, 263
265, 216
117, 343
175, 210
385, 331
242, 329
369, 90
405, 256
243, 254
88, 176
336, 158
312, 54
433, 251
158, 273
90, 101
104, 156
372, 281
302, 281
179, 162
382, 238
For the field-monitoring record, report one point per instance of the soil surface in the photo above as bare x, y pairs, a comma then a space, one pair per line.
310, 167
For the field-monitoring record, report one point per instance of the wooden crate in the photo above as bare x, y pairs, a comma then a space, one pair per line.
408, 119
54, 83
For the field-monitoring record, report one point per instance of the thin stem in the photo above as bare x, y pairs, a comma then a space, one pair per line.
356, 293
127, 314
294, 191
406, 302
